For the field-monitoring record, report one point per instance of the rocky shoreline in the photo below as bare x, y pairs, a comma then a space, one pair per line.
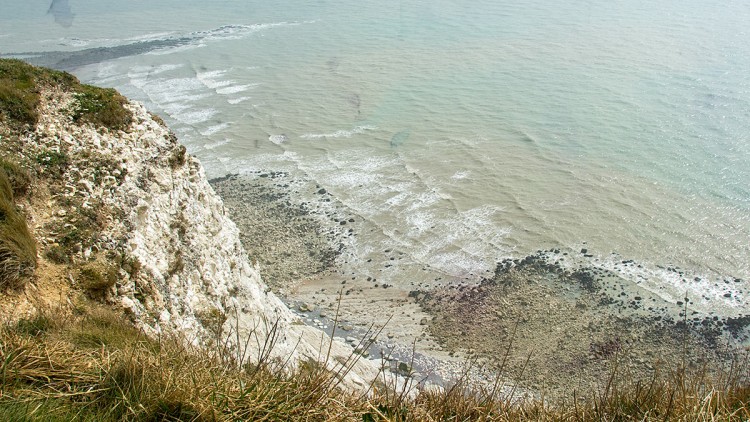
301, 249
544, 326
563, 331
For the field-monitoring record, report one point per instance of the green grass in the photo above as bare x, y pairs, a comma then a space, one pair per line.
18, 177
19, 89
20, 85
17, 246
97, 277
102, 107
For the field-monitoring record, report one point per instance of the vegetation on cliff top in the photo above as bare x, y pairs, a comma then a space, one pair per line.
20, 85
22, 166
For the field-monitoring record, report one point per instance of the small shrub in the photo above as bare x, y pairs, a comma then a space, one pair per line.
155, 117
178, 157
17, 246
213, 320
71, 239
97, 277
53, 161
101, 107
19, 178
57, 254
34, 326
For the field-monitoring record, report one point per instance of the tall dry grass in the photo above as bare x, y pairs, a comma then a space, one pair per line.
17, 246
98, 367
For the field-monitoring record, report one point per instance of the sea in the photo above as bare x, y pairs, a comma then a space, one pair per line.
461, 132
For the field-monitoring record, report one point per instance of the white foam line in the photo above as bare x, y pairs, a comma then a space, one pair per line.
339, 133
234, 89
238, 100
195, 117
153, 70
231, 32
214, 129
668, 285
461, 175
151, 37
216, 144
278, 139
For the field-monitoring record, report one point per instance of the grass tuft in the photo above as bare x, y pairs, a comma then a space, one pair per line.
97, 276
178, 158
19, 90
101, 107
17, 246
20, 84
18, 177
34, 326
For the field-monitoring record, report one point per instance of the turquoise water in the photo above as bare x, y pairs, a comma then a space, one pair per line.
464, 133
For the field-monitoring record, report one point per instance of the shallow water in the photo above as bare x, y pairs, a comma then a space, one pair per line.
461, 134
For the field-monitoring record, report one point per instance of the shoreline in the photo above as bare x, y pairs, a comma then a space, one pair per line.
310, 282
584, 317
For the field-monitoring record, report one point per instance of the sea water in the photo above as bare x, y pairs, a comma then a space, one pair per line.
463, 132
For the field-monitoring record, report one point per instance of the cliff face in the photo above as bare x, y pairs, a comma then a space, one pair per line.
181, 266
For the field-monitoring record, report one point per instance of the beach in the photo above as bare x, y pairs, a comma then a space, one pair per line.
539, 325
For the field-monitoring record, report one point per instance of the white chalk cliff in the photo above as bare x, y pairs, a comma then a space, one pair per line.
195, 277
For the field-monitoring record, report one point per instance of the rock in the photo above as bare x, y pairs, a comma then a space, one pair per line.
127, 303
360, 349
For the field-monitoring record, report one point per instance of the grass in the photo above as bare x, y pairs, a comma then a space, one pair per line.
97, 277
20, 86
19, 89
17, 246
98, 367
101, 107
18, 178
